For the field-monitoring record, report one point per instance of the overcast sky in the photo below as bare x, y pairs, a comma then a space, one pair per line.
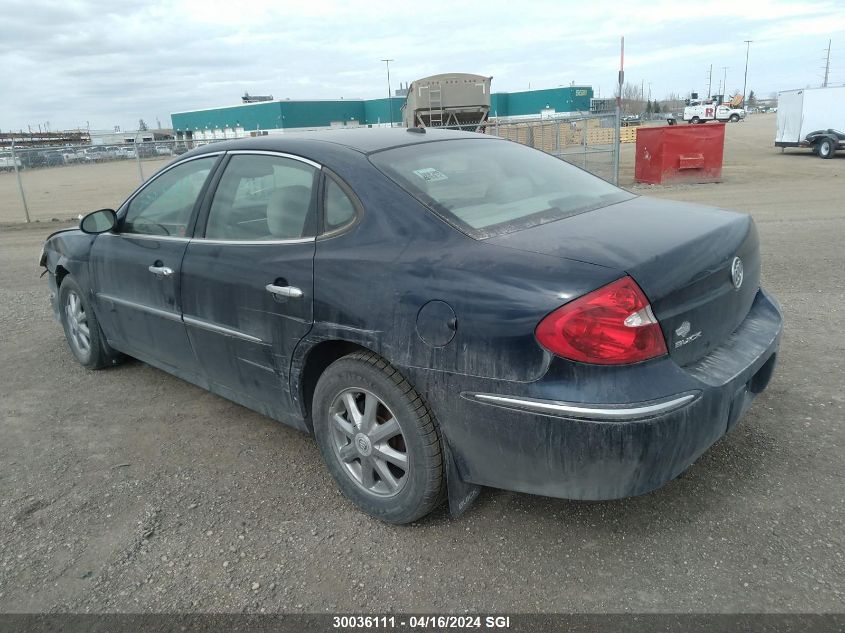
110, 62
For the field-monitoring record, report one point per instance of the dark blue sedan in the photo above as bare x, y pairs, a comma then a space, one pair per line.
442, 310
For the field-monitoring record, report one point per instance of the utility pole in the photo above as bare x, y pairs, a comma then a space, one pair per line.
709, 81
617, 145
725, 81
827, 65
389, 99
745, 79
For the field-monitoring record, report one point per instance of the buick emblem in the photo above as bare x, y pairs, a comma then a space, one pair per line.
362, 443
736, 272
683, 329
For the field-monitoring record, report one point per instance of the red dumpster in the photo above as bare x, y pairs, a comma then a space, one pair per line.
680, 153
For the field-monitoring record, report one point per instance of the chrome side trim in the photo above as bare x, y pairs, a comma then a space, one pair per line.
295, 240
145, 236
600, 412
268, 152
219, 329
164, 314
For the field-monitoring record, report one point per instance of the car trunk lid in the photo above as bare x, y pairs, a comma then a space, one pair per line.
680, 254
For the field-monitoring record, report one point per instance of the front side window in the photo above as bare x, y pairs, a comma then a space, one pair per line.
262, 198
486, 187
164, 206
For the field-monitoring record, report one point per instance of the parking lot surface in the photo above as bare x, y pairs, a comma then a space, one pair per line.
130, 490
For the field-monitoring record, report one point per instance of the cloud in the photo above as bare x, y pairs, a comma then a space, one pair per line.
106, 63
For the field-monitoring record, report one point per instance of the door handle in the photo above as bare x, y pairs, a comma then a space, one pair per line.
160, 271
284, 291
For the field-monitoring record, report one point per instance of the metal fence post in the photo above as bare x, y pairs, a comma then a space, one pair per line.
20, 184
584, 140
138, 159
557, 137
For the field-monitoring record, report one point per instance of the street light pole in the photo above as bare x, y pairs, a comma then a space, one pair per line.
724, 82
745, 79
389, 92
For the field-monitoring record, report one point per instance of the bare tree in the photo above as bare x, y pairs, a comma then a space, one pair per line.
632, 101
672, 102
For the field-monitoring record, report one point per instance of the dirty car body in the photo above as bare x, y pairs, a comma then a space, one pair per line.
465, 263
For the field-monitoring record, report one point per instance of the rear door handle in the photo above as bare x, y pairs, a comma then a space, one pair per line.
284, 291
160, 271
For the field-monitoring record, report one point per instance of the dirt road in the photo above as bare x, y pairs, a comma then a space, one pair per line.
130, 490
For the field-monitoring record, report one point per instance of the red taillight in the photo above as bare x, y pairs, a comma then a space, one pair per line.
613, 325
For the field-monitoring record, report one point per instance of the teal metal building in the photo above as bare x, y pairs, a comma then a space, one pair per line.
251, 118
568, 100
281, 115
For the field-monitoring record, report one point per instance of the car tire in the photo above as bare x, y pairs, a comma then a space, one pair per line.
826, 148
379, 439
82, 330
734, 118
695, 120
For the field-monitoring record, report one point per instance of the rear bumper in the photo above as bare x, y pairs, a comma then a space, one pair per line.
541, 438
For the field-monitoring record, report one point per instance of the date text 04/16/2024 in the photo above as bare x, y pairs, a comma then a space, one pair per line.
421, 622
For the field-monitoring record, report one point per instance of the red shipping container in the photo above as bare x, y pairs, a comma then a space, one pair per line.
680, 153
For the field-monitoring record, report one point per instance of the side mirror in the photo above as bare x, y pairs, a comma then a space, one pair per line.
99, 221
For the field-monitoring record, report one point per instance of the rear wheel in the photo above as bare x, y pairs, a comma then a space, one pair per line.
378, 438
82, 330
825, 148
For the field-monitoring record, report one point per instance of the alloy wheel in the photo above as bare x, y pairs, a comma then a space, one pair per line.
368, 442
79, 333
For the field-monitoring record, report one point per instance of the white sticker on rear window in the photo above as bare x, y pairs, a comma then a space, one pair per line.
430, 174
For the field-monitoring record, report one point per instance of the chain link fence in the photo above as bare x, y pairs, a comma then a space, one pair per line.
588, 142
59, 183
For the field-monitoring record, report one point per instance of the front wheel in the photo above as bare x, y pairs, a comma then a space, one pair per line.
379, 439
826, 148
695, 120
82, 330
734, 118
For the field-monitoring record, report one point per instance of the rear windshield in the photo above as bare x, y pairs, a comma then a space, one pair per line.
487, 188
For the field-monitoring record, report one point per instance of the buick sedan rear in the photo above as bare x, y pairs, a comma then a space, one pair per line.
441, 310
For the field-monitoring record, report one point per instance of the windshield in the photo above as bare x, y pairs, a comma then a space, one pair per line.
488, 188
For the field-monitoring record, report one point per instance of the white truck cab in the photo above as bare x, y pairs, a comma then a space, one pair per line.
712, 110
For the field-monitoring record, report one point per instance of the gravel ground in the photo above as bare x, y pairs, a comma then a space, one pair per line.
130, 490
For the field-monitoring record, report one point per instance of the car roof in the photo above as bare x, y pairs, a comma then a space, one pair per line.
364, 140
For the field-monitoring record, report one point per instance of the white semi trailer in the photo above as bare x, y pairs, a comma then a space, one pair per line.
812, 117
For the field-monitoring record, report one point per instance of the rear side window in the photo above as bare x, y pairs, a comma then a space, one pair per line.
486, 187
339, 208
261, 198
